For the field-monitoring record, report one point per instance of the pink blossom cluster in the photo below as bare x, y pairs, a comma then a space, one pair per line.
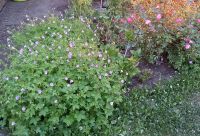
188, 42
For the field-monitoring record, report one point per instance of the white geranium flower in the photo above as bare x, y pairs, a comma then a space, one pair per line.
71, 81
45, 72
13, 123
100, 77
56, 101
23, 108
66, 78
81, 128
109, 61
39, 91
111, 103
23, 90
51, 84
100, 55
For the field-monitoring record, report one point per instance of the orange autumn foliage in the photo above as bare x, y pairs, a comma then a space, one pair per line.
174, 12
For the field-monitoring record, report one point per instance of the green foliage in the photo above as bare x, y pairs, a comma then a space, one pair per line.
105, 29
59, 82
118, 7
3, 56
81, 7
178, 55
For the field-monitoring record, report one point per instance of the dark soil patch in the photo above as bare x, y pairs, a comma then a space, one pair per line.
152, 74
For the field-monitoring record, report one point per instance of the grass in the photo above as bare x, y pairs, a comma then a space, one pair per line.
172, 108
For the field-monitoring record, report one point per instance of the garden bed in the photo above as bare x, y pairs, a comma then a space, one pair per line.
105, 73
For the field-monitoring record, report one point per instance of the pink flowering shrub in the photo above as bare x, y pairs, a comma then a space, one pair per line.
155, 27
159, 33
60, 83
186, 52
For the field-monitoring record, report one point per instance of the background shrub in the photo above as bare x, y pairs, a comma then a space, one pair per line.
174, 12
186, 53
163, 30
59, 82
81, 7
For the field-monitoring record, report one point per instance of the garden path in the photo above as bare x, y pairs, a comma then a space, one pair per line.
14, 13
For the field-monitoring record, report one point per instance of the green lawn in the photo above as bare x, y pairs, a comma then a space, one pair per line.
172, 108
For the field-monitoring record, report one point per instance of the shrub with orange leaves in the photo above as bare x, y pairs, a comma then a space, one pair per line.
174, 12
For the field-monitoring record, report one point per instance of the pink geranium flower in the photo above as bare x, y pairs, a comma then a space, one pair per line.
179, 20
147, 22
129, 20
133, 16
187, 46
188, 40
159, 16
198, 20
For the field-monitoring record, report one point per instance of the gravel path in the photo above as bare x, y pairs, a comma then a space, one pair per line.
14, 13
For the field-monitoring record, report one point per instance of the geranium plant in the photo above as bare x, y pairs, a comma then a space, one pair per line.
60, 83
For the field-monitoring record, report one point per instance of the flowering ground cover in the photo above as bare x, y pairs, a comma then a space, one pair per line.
59, 81
71, 75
